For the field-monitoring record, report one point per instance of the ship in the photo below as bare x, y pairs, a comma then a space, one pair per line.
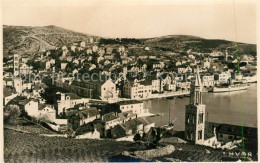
230, 88
170, 125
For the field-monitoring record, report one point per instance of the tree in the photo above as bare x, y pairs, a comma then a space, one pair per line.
70, 67
242, 64
151, 139
11, 114
140, 62
137, 137
50, 94
35, 65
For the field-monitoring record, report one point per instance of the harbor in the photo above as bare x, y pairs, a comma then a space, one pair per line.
236, 108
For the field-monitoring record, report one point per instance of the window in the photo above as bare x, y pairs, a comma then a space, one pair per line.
200, 118
104, 89
200, 135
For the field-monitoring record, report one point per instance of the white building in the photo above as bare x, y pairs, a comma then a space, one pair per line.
95, 48
82, 44
64, 48
89, 51
170, 87
18, 85
8, 95
91, 40
68, 100
208, 80
108, 90
73, 48
223, 78
25, 69
121, 49
47, 65
206, 64
135, 90
30, 107
63, 66
111, 120
158, 65
136, 107
46, 112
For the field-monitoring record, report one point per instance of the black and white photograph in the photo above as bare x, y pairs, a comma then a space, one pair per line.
129, 81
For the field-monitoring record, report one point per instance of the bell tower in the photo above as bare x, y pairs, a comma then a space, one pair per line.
195, 113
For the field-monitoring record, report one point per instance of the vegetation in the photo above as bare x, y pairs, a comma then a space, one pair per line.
27, 147
26, 126
18, 39
119, 41
50, 94
11, 114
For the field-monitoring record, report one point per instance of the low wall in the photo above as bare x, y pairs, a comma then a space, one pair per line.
152, 153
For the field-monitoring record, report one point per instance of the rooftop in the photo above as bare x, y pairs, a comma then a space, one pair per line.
109, 117
8, 92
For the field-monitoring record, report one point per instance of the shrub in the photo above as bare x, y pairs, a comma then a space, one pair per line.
12, 113
137, 137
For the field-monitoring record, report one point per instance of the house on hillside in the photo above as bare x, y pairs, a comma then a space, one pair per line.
111, 120
46, 112
29, 106
68, 100
8, 82
228, 133
8, 94
126, 116
83, 116
130, 127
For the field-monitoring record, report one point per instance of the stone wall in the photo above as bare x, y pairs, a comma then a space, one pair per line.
149, 154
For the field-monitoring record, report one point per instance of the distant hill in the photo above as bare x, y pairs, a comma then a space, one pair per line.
185, 42
27, 39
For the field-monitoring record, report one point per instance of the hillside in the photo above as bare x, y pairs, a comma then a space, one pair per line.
26, 39
186, 42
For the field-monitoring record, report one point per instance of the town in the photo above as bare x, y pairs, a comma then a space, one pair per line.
95, 88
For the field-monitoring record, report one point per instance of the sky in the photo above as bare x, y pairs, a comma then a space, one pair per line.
215, 19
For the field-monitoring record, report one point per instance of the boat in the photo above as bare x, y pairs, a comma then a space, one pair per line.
169, 126
231, 88
170, 98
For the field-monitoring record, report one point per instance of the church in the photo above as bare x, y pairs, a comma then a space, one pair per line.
197, 130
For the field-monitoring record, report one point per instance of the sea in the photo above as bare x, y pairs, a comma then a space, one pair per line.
236, 108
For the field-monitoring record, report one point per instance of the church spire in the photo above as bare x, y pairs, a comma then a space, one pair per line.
198, 80
196, 89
